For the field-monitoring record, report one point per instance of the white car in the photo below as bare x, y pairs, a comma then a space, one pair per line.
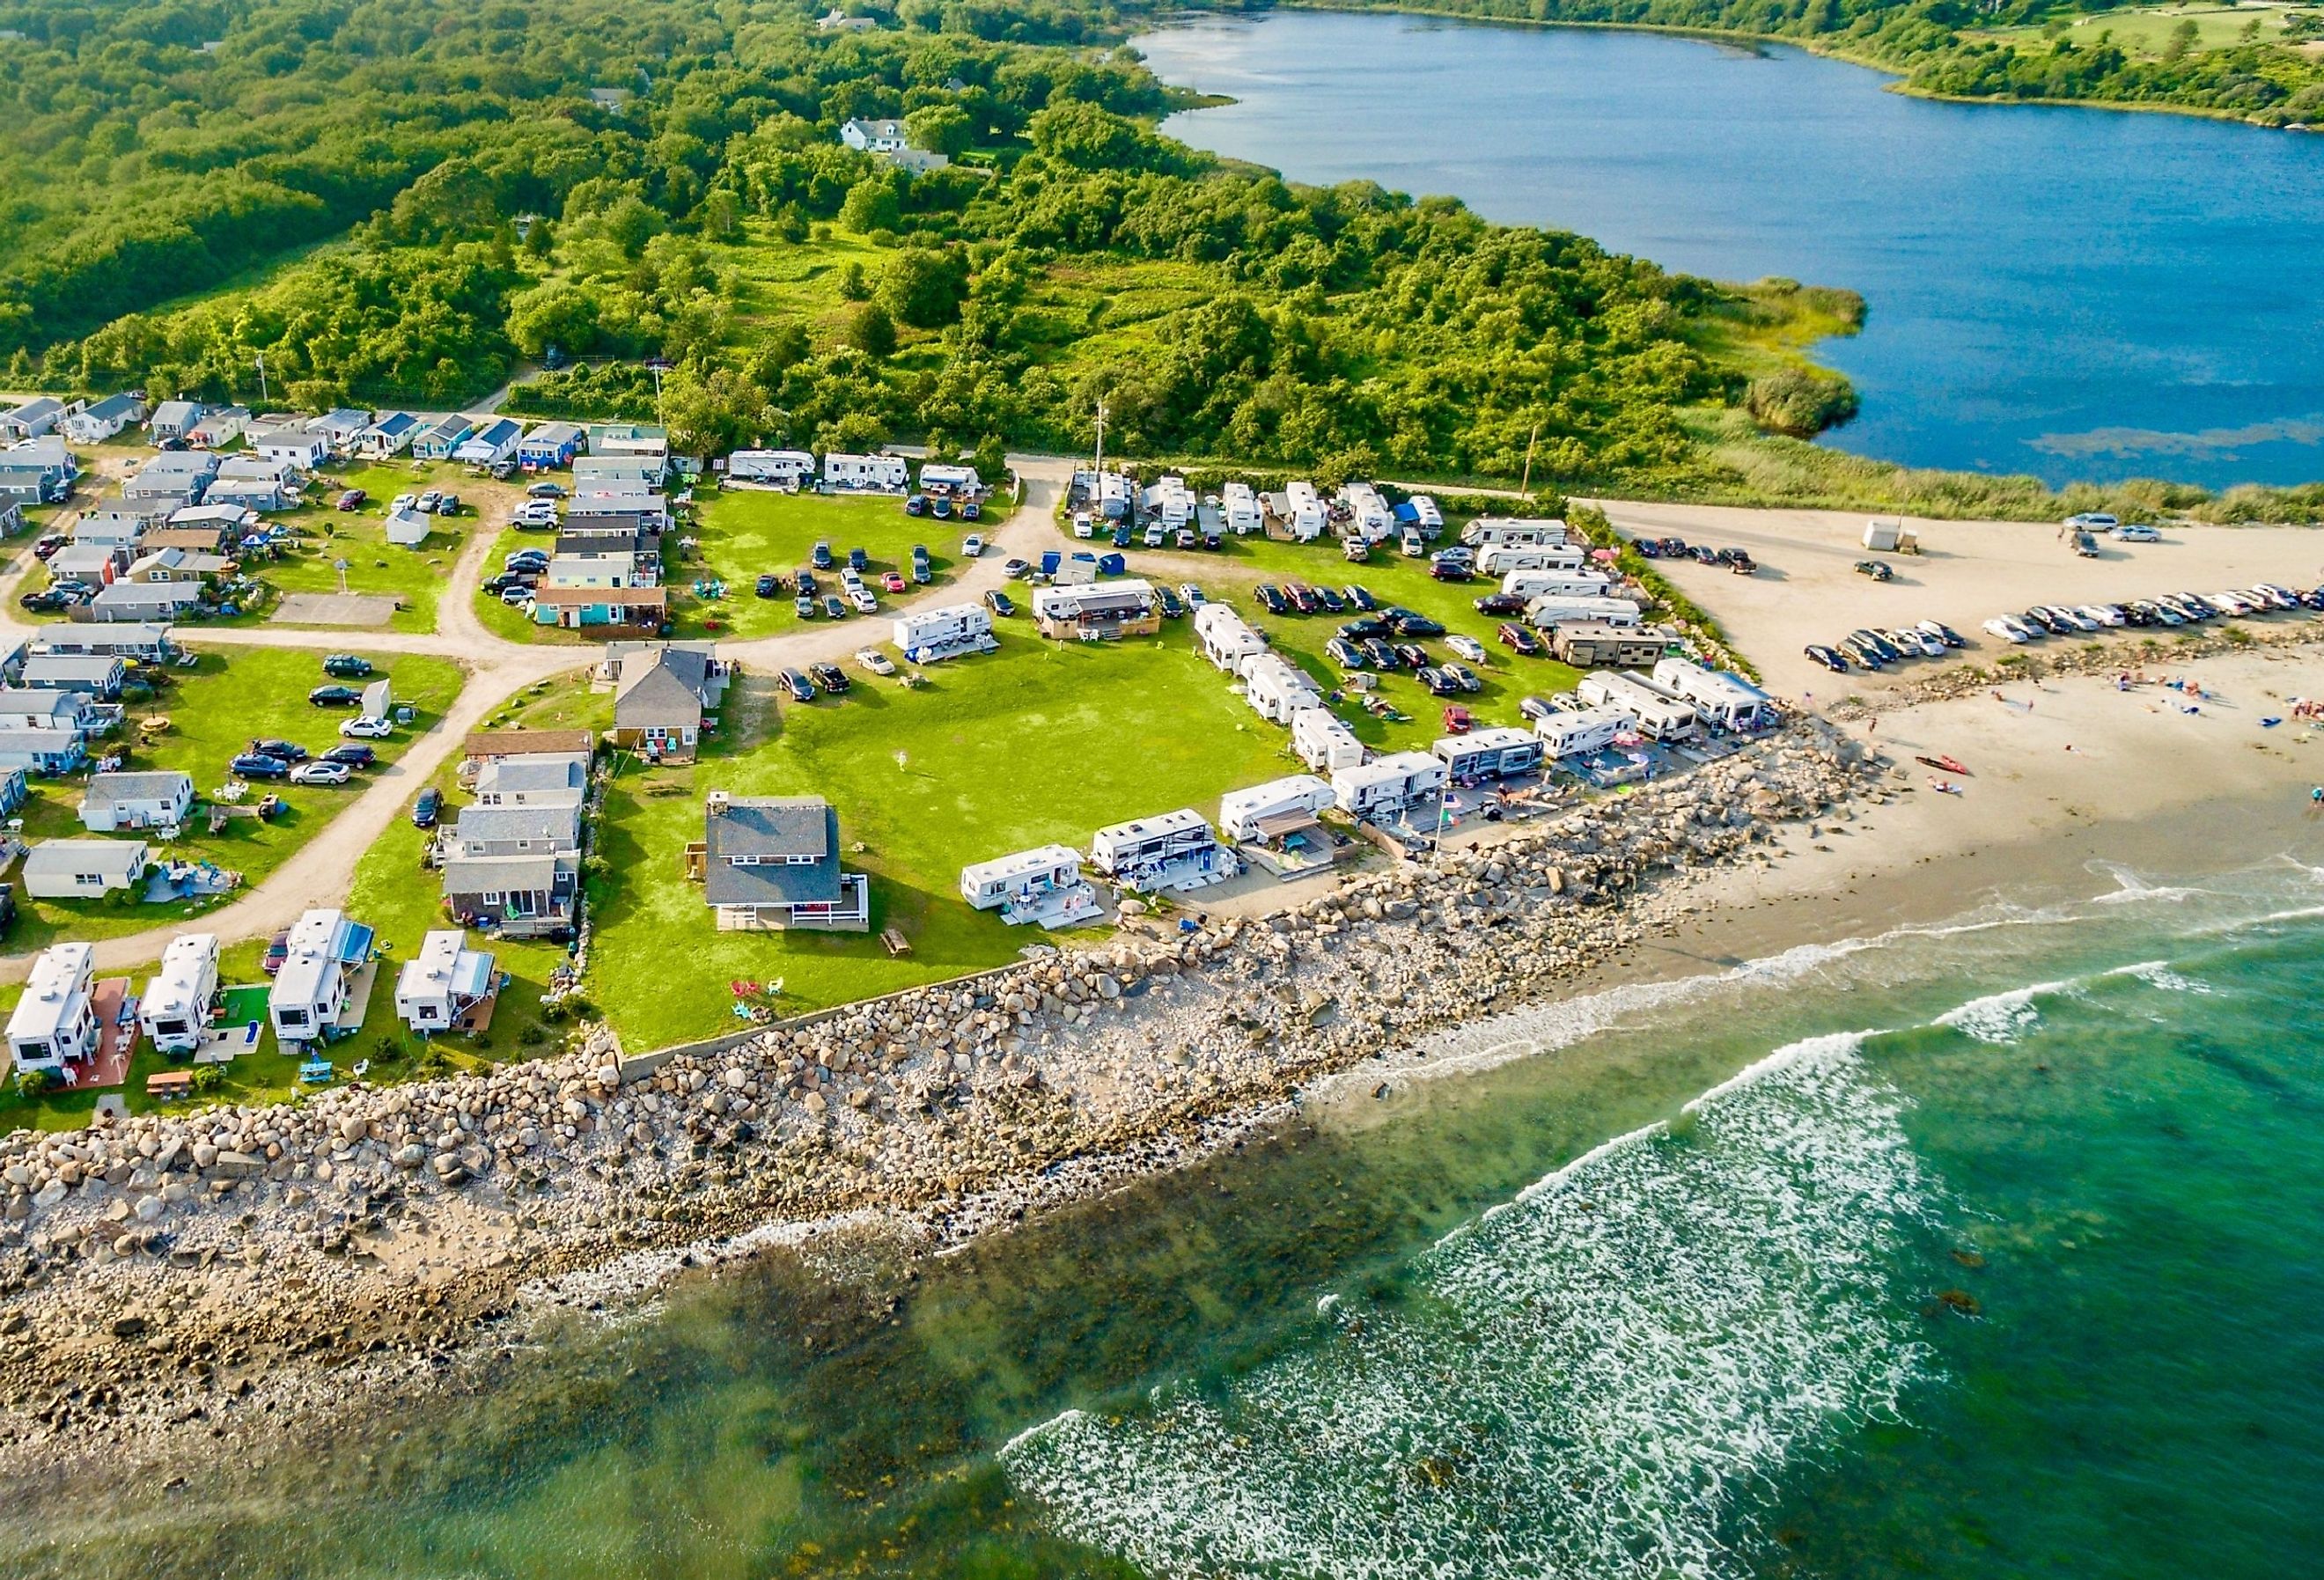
2104, 614
402, 502
861, 596
1191, 594
321, 774
1468, 647
517, 597
2069, 617
2136, 532
1084, 527
972, 546
2233, 603
366, 729
873, 659
2007, 630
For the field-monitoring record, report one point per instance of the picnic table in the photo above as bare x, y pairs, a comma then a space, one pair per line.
897, 943
167, 1085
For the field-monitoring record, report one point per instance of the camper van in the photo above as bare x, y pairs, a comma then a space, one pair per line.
1549, 611
1242, 505
1556, 584
1501, 558
1513, 532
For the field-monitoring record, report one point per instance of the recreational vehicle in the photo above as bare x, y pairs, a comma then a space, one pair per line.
1387, 785
1661, 716
175, 1008
1044, 886
1324, 741
1482, 756
1583, 732
1178, 850
1513, 532
1265, 813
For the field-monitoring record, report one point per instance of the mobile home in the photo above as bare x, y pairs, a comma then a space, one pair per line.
1369, 516
443, 982
1278, 689
56, 1019
935, 478
1512, 532
1578, 733
775, 468
310, 992
1178, 850
1324, 741
1242, 506
175, 1008
1302, 511
1226, 638
1484, 756
1044, 886
874, 473
1267, 812
1661, 716
1387, 785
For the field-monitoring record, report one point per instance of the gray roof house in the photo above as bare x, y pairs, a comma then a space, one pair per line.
481, 831
172, 479
27, 709
175, 419
39, 471
769, 862
84, 869
137, 602
521, 896
97, 675
102, 419
128, 642
659, 693
547, 779
115, 801
35, 417
41, 751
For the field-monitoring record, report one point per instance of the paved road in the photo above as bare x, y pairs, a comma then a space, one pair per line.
321, 870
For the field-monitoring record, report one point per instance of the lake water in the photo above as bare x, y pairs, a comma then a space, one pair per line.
2068, 292
1984, 1249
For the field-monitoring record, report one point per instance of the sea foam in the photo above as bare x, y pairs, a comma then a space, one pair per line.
1602, 1377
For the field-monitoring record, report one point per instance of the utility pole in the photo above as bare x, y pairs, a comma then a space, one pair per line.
263, 398
1531, 439
1100, 465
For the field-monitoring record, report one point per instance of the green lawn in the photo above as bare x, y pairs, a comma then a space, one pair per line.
746, 532
1036, 743
518, 624
1243, 563
2147, 30
214, 709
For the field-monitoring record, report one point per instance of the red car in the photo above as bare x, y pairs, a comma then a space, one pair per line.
1459, 721
1518, 639
893, 581
352, 499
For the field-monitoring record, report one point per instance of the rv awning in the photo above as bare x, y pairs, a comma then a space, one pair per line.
1283, 823
355, 944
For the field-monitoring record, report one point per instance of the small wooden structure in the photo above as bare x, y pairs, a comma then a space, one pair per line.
897, 943
168, 1085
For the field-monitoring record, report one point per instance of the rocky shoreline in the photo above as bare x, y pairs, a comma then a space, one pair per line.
171, 1284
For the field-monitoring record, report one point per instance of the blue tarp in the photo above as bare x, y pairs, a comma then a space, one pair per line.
355, 944
1407, 511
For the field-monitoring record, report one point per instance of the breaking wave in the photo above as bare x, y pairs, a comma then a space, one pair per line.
2000, 1018
1604, 1376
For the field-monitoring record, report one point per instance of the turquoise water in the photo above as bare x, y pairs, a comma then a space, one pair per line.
1986, 1248
2065, 291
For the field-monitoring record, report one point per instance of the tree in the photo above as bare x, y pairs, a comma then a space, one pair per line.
922, 287
872, 331
991, 459
871, 205
853, 285
1800, 402
713, 412
540, 240
944, 129
780, 349
560, 315
722, 215
2183, 39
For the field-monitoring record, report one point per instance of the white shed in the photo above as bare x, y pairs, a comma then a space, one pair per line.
1324, 741
175, 1008
406, 528
1388, 784
1270, 810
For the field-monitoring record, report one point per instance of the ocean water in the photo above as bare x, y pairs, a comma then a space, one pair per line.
2071, 292
1988, 1247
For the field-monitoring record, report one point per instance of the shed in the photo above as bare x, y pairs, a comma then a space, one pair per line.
84, 869
159, 798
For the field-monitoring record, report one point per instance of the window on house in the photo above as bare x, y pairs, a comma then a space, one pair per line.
291, 1017
490, 897
799, 860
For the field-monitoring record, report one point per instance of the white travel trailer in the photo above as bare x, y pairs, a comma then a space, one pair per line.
1044, 886
1226, 638
175, 1010
1500, 753
1387, 785
1501, 559
1241, 503
1171, 502
936, 478
1718, 698
1178, 850
1302, 511
1369, 515
1661, 716
1560, 610
1580, 733
1270, 810
875, 474
1514, 531
770, 468
1557, 584
310, 991
1277, 689
56, 1019
923, 636
1324, 741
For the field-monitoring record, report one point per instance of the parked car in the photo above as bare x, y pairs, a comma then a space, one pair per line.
2136, 532
1191, 594
1534, 709
857, 561
1873, 569
801, 688
427, 807
1382, 655
1363, 628
289, 751
450, 505
517, 593
1943, 632
916, 504
971, 547
768, 586
1361, 597
278, 947
861, 596
1000, 603
804, 607
1828, 657
351, 499
545, 491
921, 573
830, 677
49, 602
1406, 623
1497, 604
321, 772
1411, 655
427, 501
1345, 653
873, 659
258, 765
1438, 683
1302, 596
352, 755
1459, 720
833, 608
1468, 647
822, 555
1518, 640
346, 666
1156, 535
1123, 537
525, 559
334, 696
1271, 599
402, 502
1167, 602
893, 582
1186, 538
365, 728
1453, 570
1465, 677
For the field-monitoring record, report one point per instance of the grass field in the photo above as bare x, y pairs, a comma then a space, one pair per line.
214, 709
1038, 741
2148, 30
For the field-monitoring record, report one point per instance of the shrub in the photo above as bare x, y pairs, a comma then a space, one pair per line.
1800, 402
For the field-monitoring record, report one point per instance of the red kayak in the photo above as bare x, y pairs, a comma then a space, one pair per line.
1950, 764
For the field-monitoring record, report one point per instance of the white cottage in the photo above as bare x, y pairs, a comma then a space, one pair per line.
155, 799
